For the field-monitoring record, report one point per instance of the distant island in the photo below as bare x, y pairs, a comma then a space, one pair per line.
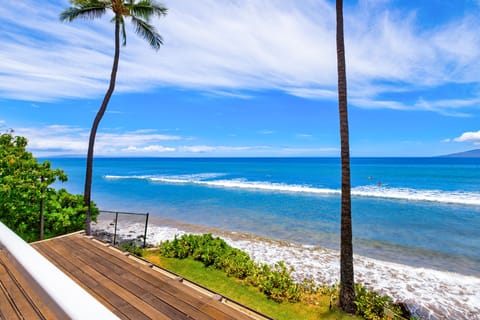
467, 154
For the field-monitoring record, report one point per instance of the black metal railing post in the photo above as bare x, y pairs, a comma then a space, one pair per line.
145, 233
118, 215
115, 230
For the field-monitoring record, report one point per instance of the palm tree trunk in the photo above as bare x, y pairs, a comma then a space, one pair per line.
347, 289
93, 132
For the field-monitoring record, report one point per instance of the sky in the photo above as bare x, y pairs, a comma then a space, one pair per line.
246, 78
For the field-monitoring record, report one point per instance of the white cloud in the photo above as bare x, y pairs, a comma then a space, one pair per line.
66, 140
314, 93
304, 135
149, 149
311, 151
224, 47
62, 140
266, 132
449, 107
469, 137
214, 149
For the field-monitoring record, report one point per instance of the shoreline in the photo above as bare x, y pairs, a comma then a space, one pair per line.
429, 294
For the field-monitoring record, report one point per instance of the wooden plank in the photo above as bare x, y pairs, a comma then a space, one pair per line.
143, 290
214, 308
155, 280
91, 266
16, 295
172, 288
8, 309
42, 307
86, 277
207, 304
154, 289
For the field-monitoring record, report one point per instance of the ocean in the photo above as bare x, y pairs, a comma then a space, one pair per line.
423, 213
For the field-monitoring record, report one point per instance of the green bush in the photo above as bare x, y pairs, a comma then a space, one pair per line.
371, 305
274, 281
132, 247
27, 195
214, 252
277, 283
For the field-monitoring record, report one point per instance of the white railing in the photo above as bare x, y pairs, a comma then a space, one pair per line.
66, 298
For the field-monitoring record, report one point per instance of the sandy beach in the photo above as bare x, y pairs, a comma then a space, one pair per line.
429, 294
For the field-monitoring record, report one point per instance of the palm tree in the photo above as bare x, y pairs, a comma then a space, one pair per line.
139, 13
347, 288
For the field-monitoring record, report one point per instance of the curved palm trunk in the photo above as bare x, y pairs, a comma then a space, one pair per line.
96, 122
347, 289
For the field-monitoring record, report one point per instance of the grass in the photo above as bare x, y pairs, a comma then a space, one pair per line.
235, 289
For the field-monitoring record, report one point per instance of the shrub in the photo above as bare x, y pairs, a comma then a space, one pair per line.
277, 283
372, 305
132, 247
274, 281
214, 252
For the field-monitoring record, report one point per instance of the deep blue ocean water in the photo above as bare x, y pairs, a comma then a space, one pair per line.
418, 211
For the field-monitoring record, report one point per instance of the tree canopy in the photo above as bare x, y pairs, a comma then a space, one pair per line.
27, 199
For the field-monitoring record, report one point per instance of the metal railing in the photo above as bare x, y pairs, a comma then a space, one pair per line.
120, 224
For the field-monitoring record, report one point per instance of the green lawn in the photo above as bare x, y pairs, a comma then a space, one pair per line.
234, 289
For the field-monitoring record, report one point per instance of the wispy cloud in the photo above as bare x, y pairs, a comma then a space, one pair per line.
448, 107
278, 45
147, 149
304, 135
266, 131
311, 151
66, 140
214, 149
60, 140
472, 136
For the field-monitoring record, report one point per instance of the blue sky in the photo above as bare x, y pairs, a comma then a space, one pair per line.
246, 78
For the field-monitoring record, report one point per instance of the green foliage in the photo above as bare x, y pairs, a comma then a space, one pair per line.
25, 190
132, 247
318, 307
139, 12
275, 282
371, 305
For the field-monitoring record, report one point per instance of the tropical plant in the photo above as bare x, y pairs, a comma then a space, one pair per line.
275, 282
347, 289
139, 12
29, 205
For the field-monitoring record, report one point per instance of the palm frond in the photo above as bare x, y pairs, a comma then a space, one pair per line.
86, 9
148, 32
147, 8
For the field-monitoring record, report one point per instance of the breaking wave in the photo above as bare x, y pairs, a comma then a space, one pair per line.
372, 191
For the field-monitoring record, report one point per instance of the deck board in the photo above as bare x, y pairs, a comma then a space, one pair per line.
160, 285
18, 300
87, 277
130, 289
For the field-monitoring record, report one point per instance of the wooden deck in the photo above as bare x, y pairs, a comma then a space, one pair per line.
18, 299
130, 288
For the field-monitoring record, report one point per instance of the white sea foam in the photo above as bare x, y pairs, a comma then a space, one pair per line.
180, 178
430, 294
457, 197
373, 191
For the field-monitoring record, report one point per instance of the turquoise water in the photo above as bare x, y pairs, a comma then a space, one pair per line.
419, 211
